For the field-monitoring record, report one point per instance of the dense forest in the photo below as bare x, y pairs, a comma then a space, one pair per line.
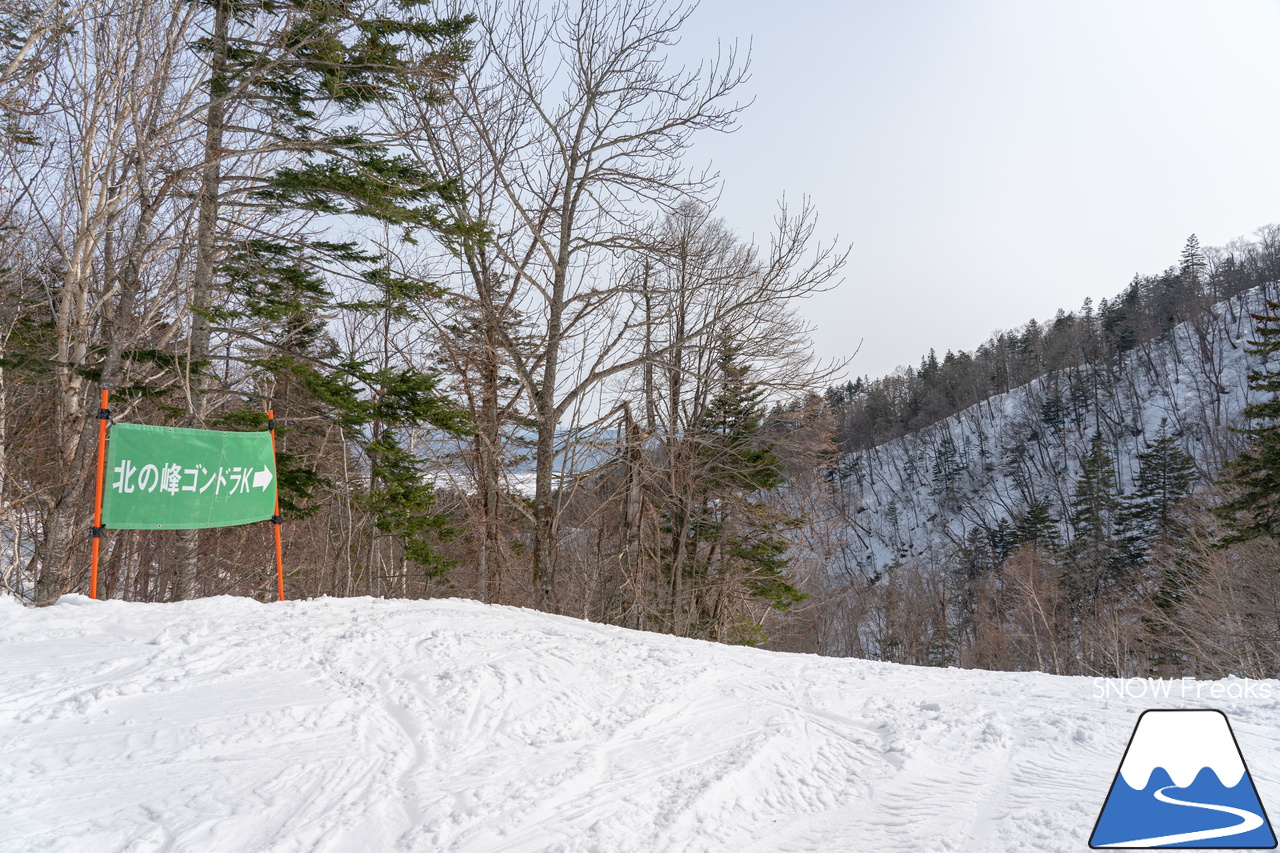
463, 253
1112, 514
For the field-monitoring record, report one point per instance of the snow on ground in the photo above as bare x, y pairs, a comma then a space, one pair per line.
368, 725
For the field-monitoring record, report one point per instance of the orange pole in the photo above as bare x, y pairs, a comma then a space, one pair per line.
103, 415
275, 521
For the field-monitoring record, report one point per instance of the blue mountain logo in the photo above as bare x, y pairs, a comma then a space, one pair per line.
1183, 783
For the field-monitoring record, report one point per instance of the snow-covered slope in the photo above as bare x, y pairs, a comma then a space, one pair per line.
368, 725
921, 495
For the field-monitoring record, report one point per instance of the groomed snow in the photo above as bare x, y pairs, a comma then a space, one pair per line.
367, 725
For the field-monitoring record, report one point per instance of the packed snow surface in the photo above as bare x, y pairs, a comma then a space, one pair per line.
367, 725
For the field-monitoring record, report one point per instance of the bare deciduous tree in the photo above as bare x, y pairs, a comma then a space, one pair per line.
573, 123
104, 187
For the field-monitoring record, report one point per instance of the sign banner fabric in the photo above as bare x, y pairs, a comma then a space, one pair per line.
169, 478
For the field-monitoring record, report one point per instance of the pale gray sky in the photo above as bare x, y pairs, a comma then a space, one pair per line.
994, 160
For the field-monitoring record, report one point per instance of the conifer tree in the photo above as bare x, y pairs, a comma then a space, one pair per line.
1254, 478
1080, 400
1095, 555
1003, 540
1037, 527
976, 558
737, 539
1052, 413
947, 467
1192, 264
316, 58
279, 73
1165, 475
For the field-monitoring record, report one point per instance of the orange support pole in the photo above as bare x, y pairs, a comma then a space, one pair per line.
103, 416
275, 521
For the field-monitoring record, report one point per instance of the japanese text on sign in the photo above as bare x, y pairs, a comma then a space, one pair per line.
171, 478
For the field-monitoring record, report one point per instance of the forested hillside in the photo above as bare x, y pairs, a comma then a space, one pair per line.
978, 471
1065, 524
872, 412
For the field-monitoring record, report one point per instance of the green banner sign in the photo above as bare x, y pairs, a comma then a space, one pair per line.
168, 478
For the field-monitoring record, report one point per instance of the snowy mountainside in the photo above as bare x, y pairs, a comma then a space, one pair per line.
363, 724
922, 494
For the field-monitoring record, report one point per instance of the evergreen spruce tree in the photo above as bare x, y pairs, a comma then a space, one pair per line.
279, 75
947, 467
1254, 478
1165, 475
1080, 399
975, 558
1003, 540
1052, 413
1037, 527
738, 539
1192, 265
1095, 555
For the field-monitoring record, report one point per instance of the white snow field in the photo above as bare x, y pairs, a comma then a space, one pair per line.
367, 725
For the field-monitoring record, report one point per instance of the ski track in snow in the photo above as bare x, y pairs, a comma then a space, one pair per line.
362, 725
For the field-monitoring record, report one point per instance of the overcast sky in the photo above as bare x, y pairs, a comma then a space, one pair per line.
994, 160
